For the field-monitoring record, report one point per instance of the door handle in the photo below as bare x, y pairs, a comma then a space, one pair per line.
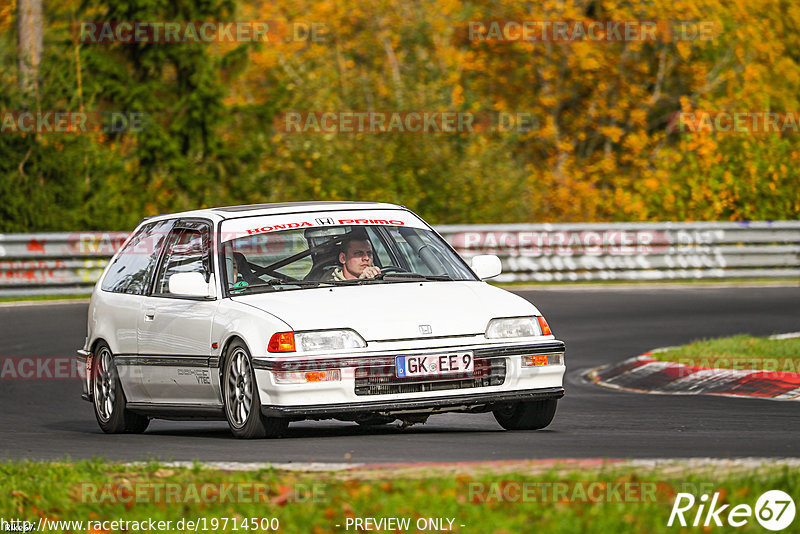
149, 314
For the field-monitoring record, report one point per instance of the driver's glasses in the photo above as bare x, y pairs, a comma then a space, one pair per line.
361, 253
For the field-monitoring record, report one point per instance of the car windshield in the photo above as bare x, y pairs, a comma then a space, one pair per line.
301, 258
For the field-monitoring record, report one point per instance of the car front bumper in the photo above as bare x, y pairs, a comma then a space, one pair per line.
388, 395
478, 402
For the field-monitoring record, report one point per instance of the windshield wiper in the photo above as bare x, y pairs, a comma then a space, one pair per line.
414, 276
302, 283
277, 282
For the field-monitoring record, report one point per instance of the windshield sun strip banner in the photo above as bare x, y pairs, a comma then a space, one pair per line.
247, 226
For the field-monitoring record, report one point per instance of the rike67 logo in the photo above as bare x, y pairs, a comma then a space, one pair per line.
774, 510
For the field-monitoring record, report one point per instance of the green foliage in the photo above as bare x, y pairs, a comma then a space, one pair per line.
600, 150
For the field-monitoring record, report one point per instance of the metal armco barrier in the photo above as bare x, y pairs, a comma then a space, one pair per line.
55, 263
634, 251
72, 262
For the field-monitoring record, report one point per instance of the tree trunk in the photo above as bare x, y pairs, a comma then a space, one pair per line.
29, 44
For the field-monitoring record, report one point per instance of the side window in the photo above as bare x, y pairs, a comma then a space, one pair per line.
133, 268
187, 252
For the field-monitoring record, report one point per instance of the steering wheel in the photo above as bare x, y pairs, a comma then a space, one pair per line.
392, 269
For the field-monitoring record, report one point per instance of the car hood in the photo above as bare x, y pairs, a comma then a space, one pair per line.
382, 312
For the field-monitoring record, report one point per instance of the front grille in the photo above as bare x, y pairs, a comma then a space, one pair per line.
381, 379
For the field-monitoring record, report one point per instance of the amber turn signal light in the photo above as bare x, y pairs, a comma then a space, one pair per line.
545, 327
281, 342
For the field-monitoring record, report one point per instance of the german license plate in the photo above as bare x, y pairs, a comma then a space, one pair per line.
435, 365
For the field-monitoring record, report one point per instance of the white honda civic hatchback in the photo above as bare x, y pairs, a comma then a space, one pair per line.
266, 314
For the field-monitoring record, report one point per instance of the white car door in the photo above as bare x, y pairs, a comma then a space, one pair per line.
123, 291
174, 333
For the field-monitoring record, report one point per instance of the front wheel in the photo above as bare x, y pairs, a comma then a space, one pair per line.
533, 415
109, 399
242, 402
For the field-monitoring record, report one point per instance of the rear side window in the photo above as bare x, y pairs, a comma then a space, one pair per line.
133, 268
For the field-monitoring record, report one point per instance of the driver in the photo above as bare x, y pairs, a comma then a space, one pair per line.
356, 258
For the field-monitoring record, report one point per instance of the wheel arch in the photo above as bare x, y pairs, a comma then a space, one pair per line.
94, 345
93, 355
96, 342
223, 354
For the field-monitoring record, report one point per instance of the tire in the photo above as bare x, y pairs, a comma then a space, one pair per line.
532, 415
109, 399
241, 398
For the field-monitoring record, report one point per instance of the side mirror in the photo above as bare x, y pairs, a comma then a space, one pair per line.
190, 285
486, 266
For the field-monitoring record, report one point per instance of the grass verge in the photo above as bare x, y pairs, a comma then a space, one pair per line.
556, 500
36, 298
738, 352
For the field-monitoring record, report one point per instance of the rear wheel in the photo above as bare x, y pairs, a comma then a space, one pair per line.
532, 415
109, 399
242, 402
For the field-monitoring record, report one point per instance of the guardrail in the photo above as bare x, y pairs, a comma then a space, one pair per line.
56, 263
635, 251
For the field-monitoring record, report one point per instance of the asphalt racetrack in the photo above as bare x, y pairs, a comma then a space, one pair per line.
46, 419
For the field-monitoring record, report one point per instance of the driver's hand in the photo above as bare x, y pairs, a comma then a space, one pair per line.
370, 272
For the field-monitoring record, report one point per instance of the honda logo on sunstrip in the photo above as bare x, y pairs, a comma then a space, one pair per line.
323, 222
425, 329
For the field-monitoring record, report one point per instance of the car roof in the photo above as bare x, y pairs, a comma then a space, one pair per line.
251, 210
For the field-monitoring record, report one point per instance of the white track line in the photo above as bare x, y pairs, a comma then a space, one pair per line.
745, 463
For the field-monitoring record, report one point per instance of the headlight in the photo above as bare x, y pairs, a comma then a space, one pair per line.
317, 340
328, 340
517, 327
